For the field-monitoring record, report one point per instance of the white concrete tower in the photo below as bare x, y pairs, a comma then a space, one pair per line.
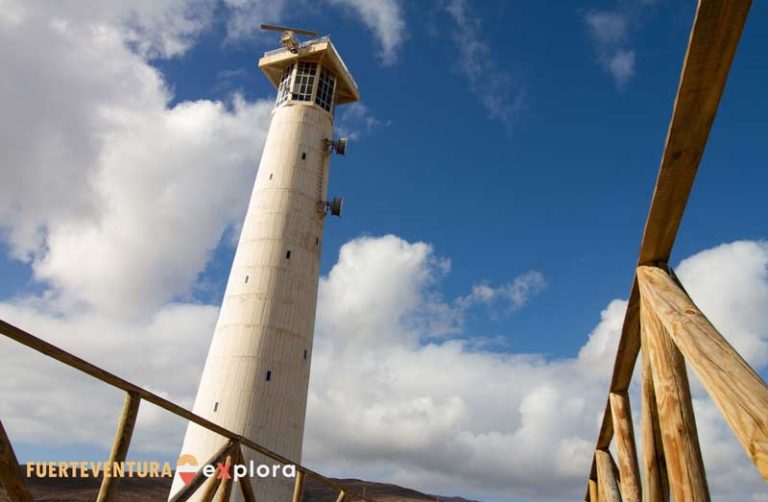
257, 371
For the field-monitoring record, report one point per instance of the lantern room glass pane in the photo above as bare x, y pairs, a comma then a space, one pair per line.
305, 81
284, 89
325, 89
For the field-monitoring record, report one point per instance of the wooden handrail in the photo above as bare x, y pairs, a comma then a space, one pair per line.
715, 35
54, 352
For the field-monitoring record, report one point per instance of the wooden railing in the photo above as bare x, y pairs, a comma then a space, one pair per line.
663, 322
232, 452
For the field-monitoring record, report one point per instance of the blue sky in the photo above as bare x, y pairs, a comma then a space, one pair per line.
562, 188
511, 138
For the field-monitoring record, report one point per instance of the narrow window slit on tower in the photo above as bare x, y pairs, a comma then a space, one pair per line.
246, 279
269, 375
317, 241
305, 353
215, 406
303, 155
288, 255
270, 175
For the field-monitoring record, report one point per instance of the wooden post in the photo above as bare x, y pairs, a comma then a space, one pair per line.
624, 434
685, 467
10, 472
120, 445
738, 391
186, 492
245, 483
342, 496
298, 488
654, 465
211, 486
592, 489
607, 486
225, 491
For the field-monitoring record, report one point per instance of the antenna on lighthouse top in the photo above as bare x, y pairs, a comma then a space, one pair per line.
288, 38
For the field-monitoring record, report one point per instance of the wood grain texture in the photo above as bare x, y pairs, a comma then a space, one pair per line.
736, 388
715, 36
626, 450
624, 365
11, 476
654, 465
607, 485
685, 468
121, 444
592, 490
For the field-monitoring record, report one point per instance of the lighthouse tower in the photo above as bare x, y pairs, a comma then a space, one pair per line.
256, 375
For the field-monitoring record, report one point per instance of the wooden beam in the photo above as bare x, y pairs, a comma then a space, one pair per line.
607, 485
654, 465
225, 490
11, 476
714, 37
50, 350
592, 490
342, 497
738, 391
298, 487
626, 356
679, 436
187, 491
211, 487
624, 434
245, 483
716, 32
120, 445
629, 345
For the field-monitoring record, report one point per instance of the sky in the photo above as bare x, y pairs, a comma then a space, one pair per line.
501, 164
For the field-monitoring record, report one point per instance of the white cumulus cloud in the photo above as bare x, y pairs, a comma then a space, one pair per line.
390, 402
385, 19
99, 168
387, 400
115, 197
